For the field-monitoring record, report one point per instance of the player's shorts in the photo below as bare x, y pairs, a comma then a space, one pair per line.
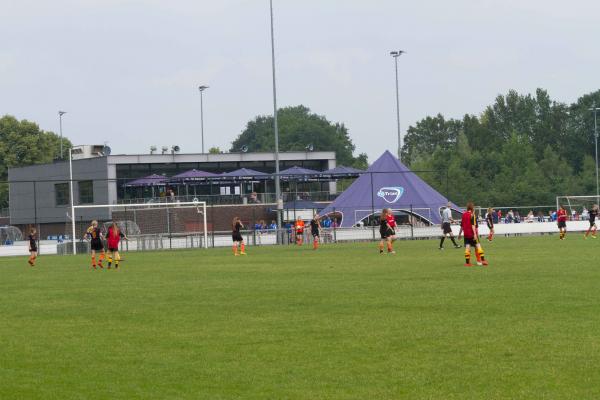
490, 226
446, 228
592, 223
111, 249
96, 245
315, 233
562, 224
237, 237
387, 233
33, 248
470, 242
299, 233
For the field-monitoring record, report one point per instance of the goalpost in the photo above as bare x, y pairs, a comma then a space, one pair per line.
148, 226
577, 203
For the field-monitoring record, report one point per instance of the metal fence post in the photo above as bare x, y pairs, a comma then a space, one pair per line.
372, 203
411, 221
334, 227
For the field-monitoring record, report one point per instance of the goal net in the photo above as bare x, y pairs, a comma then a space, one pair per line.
148, 226
577, 206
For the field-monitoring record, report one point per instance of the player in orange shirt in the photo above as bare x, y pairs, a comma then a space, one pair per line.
299, 229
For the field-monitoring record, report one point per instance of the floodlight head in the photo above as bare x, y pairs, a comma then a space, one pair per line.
310, 147
61, 113
175, 149
244, 149
202, 88
152, 149
397, 53
164, 149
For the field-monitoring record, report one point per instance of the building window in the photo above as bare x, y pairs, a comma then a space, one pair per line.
61, 194
86, 192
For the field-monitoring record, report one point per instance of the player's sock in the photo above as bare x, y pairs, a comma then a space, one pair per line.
235, 249
467, 257
442, 241
481, 254
316, 244
117, 260
390, 249
243, 248
94, 261
110, 260
380, 247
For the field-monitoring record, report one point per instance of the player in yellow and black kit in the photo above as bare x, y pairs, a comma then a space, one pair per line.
94, 234
315, 230
236, 236
33, 250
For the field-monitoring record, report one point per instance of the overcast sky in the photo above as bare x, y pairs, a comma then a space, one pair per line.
127, 71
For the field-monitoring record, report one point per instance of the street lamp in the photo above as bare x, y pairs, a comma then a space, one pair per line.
202, 88
73, 238
396, 54
595, 110
275, 128
60, 114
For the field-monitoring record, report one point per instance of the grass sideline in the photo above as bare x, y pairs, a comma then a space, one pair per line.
289, 323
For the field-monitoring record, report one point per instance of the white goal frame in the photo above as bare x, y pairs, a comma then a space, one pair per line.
199, 205
568, 199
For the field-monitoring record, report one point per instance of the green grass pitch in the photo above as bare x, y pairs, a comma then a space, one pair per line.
287, 323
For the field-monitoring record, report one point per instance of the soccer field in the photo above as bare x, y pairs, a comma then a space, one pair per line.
287, 323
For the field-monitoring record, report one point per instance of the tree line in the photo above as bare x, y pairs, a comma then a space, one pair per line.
524, 149
23, 143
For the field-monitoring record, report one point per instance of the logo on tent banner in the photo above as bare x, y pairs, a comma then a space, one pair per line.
391, 194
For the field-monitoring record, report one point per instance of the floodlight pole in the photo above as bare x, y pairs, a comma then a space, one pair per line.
60, 114
73, 238
595, 110
397, 54
275, 130
202, 88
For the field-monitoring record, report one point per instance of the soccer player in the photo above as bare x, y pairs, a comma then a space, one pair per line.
113, 238
236, 235
386, 232
489, 219
561, 217
315, 230
299, 229
470, 232
446, 227
391, 219
593, 213
32, 246
95, 235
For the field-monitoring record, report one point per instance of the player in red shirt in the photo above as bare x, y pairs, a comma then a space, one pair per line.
391, 220
471, 234
112, 240
562, 222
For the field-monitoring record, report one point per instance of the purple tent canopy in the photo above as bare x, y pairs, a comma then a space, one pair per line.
192, 175
151, 180
341, 172
245, 174
387, 184
299, 173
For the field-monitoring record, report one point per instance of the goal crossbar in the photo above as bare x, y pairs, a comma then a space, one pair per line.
199, 205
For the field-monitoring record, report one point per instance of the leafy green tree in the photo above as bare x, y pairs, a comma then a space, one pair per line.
23, 143
299, 128
215, 150
521, 150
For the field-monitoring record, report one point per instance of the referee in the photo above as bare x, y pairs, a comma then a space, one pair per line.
446, 228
